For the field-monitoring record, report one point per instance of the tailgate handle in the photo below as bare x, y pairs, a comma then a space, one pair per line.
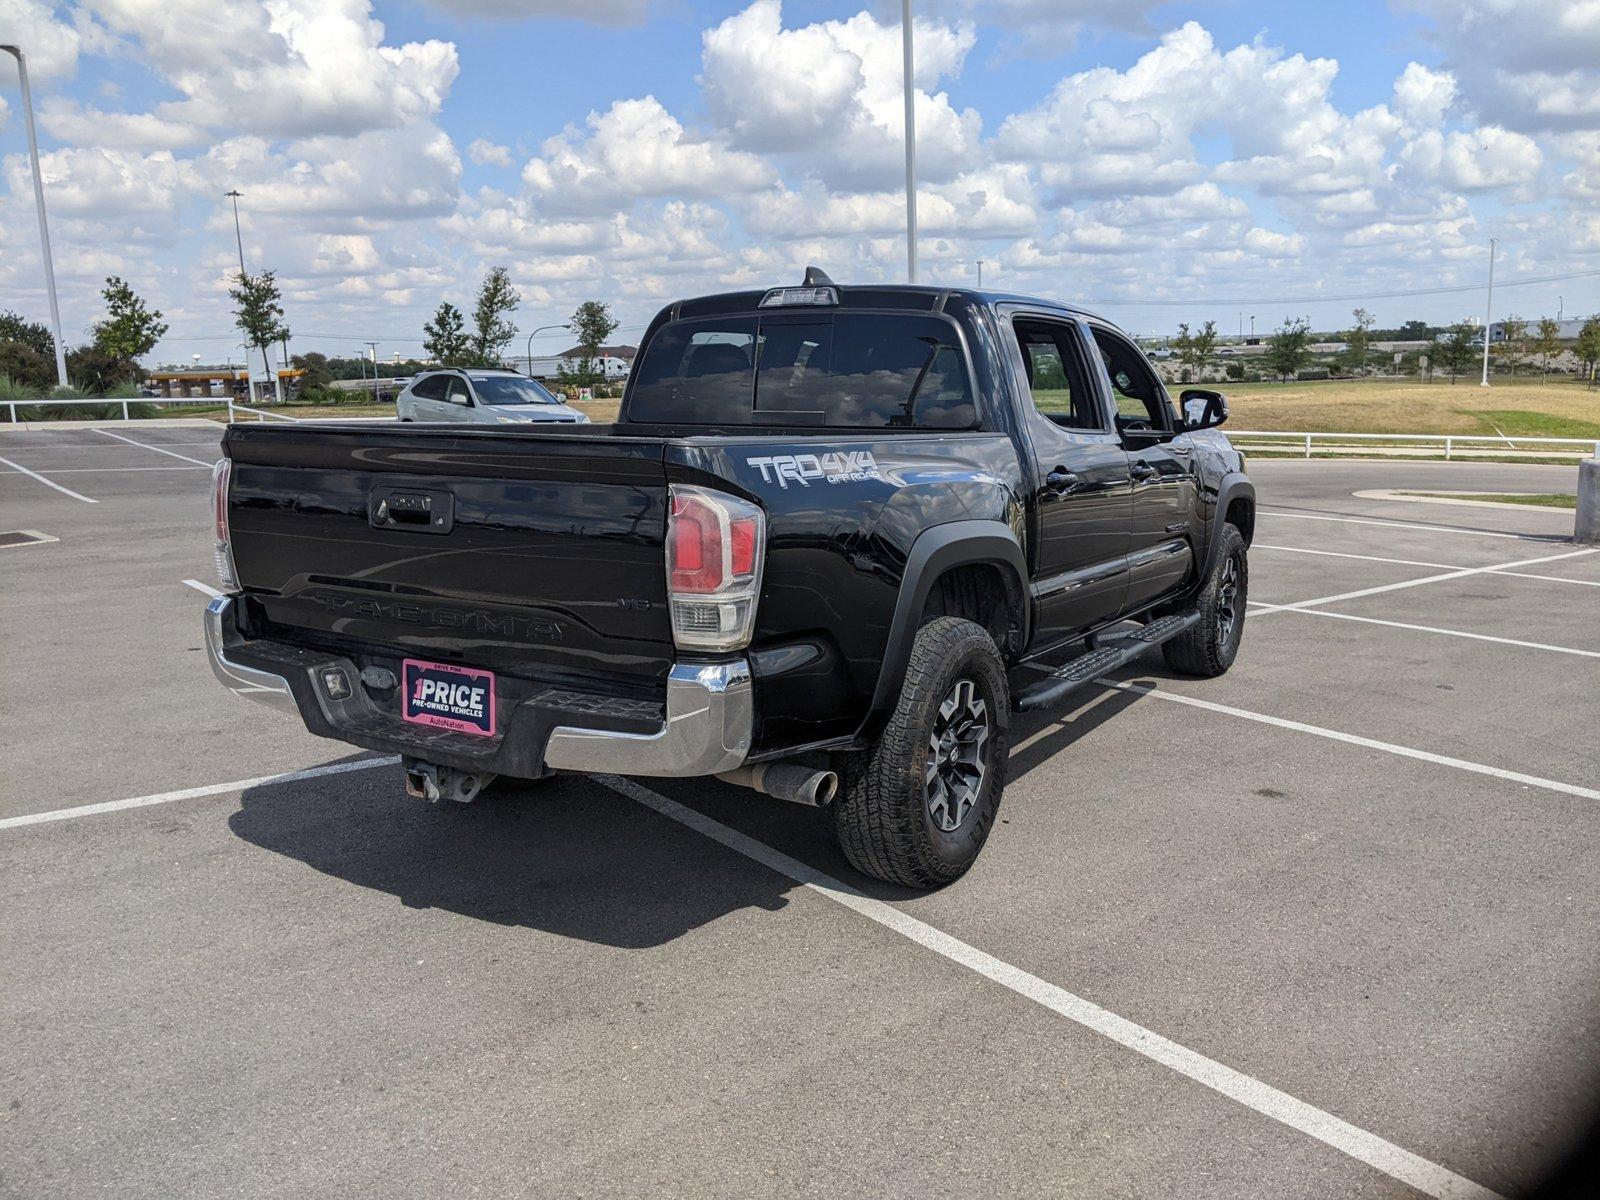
419, 511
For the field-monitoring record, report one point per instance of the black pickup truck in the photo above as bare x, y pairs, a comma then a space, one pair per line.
828, 529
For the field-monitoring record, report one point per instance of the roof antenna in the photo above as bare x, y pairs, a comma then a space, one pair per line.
817, 277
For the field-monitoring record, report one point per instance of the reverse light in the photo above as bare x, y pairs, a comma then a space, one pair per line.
226, 574
715, 545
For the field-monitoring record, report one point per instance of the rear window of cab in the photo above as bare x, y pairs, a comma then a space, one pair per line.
843, 369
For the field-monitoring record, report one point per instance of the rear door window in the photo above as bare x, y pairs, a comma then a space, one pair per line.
431, 388
856, 370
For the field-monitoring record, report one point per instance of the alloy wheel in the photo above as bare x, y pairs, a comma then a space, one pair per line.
958, 755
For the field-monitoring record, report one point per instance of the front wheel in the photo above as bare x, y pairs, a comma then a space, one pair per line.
1208, 648
918, 805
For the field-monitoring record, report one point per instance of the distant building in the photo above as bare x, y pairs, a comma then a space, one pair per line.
615, 362
1569, 329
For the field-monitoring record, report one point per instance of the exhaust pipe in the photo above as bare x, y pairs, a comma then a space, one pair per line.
431, 782
790, 781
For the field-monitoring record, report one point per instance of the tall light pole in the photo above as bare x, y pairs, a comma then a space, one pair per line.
373, 348
535, 334
38, 200
1488, 310
911, 144
237, 236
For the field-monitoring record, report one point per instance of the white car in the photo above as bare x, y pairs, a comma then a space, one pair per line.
483, 397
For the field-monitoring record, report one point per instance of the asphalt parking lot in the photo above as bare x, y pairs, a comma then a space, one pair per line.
1329, 925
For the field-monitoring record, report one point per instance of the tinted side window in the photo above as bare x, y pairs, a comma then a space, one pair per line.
1134, 384
1061, 392
898, 370
431, 388
697, 373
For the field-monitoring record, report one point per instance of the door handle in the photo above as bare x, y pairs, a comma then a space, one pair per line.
1142, 470
1059, 482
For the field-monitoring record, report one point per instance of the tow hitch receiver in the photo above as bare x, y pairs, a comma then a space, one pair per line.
432, 782
1105, 655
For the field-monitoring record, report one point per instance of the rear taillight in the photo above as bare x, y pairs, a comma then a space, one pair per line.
714, 554
220, 475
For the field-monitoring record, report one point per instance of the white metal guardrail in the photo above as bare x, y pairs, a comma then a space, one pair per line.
234, 408
164, 401
1402, 444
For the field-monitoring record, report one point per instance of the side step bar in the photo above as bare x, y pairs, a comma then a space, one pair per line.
1107, 655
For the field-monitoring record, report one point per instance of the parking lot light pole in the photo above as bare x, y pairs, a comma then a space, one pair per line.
1488, 309
911, 144
535, 334
38, 200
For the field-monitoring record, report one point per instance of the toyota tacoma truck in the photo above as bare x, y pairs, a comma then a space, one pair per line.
823, 552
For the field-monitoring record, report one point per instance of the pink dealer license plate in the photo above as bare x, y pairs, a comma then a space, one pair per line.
446, 696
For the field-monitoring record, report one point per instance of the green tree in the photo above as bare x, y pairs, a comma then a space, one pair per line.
445, 337
31, 334
1183, 347
1513, 342
1359, 338
317, 373
258, 307
592, 323
1589, 347
1547, 344
491, 332
1288, 349
1457, 348
130, 329
27, 353
95, 371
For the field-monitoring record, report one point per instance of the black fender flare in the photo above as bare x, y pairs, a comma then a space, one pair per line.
1233, 486
936, 550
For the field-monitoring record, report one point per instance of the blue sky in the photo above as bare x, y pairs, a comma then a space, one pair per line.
1165, 161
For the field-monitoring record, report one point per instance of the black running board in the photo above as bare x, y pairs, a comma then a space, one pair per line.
1110, 652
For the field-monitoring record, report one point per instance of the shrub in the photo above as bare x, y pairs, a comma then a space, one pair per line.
1308, 373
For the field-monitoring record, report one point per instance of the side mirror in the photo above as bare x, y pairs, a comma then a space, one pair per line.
1203, 408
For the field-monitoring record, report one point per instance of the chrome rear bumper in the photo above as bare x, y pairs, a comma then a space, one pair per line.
708, 727
263, 687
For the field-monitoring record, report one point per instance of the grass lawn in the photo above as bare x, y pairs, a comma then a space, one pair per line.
1542, 500
1516, 408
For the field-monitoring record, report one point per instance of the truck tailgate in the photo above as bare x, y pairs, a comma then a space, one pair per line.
531, 553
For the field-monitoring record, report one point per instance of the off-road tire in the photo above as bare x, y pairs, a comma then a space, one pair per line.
1208, 648
883, 821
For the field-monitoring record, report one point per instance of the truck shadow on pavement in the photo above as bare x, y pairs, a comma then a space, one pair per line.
571, 857
565, 855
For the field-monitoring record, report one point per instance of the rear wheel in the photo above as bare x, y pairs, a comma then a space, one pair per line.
1209, 648
918, 806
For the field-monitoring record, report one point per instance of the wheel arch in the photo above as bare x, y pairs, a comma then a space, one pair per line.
1236, 505
956, 546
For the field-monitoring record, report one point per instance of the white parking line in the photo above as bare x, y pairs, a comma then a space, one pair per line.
157, 449
1460, 633
1520, 537
1411, 583
1412, 562
35, 475
203, 588
212, 789
1443, 760
1412, 1169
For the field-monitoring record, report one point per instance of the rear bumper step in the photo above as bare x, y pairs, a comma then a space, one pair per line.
1110, 653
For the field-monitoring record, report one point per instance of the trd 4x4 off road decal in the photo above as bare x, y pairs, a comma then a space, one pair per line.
836, 466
